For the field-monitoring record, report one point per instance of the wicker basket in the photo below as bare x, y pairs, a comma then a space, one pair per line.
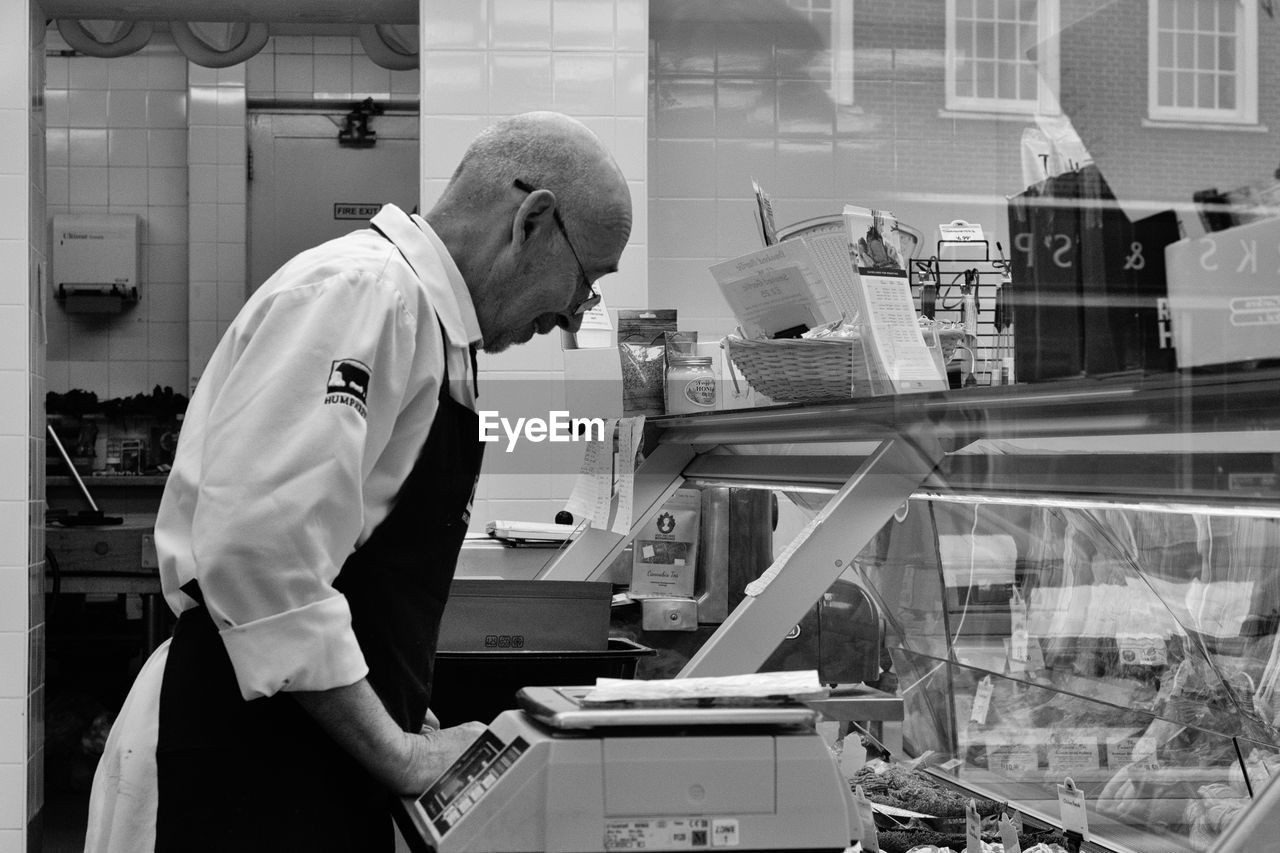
793, 370
801, 369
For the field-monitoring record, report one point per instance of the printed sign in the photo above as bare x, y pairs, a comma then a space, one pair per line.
1012, 758
959, 231
1071, 808
355, 210
1142, 649
674, 833
972, 828
982, 701
1071, 752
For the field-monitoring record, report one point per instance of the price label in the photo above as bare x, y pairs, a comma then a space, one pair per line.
1071, 808
960, 231
1070, 752
972, 829
1126, 749
1009, 834
1144, 752
1034, 661
982, 701
866, 819
1012, 758
1142, 650
1020, 639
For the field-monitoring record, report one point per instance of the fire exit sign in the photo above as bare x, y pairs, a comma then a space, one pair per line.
350, 210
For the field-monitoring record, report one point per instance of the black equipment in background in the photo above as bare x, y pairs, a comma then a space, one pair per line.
85, 517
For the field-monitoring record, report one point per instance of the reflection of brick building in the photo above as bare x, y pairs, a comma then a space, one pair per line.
1103, 73
1105, 91
835, 101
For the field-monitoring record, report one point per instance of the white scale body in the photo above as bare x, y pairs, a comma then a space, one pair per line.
637, 779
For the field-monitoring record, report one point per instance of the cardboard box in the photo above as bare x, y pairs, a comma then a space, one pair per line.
1224, 295
515, 615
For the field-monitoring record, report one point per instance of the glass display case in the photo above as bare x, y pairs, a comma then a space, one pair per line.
1077, 579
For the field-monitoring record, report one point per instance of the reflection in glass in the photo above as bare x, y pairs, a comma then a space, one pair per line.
1133, 648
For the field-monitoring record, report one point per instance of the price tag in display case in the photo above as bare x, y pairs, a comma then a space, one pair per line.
1142, 649
1073, 751
1009, 833
972, 828
1013, 758
1145, 752
982, 701
1071, 808
866, 819
1019, 637
1127, 749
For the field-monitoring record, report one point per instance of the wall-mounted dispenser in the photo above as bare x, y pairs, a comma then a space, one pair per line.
95, 261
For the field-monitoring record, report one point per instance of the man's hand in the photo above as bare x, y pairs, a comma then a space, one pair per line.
403, 762
435, 750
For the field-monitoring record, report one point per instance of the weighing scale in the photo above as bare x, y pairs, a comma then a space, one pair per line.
558, 776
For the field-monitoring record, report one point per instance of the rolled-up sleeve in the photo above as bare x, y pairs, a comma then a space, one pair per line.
309, 401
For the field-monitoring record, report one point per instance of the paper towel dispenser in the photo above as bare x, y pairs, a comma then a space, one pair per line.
95, 261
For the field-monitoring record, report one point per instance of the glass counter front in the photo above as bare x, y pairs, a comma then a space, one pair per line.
1076, 581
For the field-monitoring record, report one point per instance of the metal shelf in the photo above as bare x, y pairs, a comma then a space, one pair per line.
1123, 405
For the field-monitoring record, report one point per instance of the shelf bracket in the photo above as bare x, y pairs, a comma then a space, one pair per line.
592, 553
811, 564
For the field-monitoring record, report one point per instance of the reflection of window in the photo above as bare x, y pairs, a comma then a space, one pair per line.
1202, 60
817, 11
836, 18
1001, 55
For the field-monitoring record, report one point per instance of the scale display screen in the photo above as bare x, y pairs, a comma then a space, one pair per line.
471, 776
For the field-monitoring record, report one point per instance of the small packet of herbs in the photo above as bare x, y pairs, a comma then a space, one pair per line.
642, 351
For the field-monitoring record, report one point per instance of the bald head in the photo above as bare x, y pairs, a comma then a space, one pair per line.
545, 149
483, 215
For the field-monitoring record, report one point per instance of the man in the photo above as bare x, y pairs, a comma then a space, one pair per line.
310, 527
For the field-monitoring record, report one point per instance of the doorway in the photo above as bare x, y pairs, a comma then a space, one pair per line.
305, 188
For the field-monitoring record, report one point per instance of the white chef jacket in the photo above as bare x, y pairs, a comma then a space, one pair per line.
307, 419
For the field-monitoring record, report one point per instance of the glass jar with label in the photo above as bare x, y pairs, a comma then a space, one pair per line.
691, 385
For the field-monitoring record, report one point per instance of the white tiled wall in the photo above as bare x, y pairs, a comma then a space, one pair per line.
154, 135
287, 68
217, 182
298, 67
117, 143
22, 252
489, 59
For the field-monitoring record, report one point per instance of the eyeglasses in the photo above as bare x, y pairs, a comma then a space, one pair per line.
592, 300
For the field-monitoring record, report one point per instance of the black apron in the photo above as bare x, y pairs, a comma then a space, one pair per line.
262, 775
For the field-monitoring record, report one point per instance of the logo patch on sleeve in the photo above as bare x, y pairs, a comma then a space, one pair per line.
348, 385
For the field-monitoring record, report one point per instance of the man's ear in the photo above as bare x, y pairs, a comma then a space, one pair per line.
536, 212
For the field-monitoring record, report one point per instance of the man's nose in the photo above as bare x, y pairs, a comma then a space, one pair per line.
569, 322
